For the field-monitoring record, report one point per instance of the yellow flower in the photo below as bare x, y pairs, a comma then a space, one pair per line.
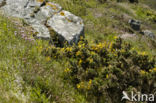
142, 72
48, 58
80, 61
107, 76
67, 70
92, 53
111, 46
90, 81
62, 49
81, 37
143, 53
90, 60
154, 69
133, 48
69, 49
78, 86
78, 53
115, 37
122, 50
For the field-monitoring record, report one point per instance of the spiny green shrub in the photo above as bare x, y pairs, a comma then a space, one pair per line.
102, 71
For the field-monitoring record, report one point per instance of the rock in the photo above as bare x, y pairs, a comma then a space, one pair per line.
14, 7
48, 11
42, 30
68, 26
46, 16
149, 34
127, 36
135, 24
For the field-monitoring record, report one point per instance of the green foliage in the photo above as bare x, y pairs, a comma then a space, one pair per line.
146, 13
78, 7
26, 76
106, 69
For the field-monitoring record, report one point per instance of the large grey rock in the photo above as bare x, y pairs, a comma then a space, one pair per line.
14, 7
1, 1
68, 26
44, 16
135, 24
48, 11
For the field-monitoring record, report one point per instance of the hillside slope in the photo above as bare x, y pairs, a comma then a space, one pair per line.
113, 57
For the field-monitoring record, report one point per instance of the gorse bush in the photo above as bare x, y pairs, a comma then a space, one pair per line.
102, 71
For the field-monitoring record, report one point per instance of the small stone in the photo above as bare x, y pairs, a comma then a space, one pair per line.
149, 34
135, 24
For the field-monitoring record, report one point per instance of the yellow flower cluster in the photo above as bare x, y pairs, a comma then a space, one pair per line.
78, 53
115, 37
67, 70
107, 76
68, 49
111, 46
153, 70
83, 85
99, 46
142, 53
81, 45
122, 50
62, 50
80, 61
89, 84
90, 60
48, 58
80, 85
142, 72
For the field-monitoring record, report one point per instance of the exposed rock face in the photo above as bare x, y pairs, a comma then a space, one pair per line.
135, 24
67, 26
42, 15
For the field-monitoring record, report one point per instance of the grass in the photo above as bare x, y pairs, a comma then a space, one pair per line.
104, 21
27, 76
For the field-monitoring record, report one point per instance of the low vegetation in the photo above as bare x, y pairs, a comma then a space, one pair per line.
96, 70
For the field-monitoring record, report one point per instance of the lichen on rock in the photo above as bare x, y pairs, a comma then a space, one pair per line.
42, 15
